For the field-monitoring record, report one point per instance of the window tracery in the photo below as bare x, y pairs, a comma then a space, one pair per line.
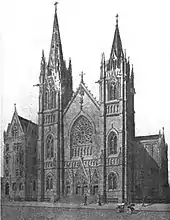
49, 182
7, 188
50, 99
50, 147
81, 137
112, 181
112, 92
21, 186
82, 131
14, 131
112, 143
34, 185
46, 100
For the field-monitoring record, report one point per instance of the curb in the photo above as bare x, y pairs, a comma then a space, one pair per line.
51, 205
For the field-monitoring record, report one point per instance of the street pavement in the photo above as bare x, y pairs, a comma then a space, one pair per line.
61, 211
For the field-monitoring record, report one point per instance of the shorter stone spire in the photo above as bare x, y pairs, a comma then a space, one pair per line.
116, 51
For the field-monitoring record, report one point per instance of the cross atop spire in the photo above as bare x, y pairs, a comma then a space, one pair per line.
117, 16
82, 74
116, 51
56, 55
56, 3
15, 109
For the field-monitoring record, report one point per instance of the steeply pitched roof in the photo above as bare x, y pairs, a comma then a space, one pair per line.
116, 51
25, 122
89, 94
56, 55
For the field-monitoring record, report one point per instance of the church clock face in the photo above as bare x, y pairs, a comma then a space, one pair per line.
82, 132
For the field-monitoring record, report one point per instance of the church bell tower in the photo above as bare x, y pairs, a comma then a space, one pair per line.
55, 91
116, 94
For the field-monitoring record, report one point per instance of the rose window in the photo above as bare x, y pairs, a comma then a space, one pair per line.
81, 137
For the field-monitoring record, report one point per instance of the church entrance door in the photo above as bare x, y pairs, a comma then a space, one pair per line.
84, 189
95, 189
78, 190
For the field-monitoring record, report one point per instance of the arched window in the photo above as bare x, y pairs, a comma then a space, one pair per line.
112, 143
81, 135
7, 160
112, 92
49, 182
14, 186
7, 189
115, 92
53, 99
14, 131
67, 187
112, 181
21, 157
34, 185
50, 94
21, 186
46, 100
50, 147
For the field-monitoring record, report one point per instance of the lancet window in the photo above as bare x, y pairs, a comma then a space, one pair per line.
112, 92
7, 188
14, 131
49, 147
112, 181
49, 182
112, 143
46, 100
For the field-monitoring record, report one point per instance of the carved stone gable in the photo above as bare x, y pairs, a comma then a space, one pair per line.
81, 174
95, 177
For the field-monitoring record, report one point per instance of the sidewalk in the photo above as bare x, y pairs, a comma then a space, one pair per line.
157, 207
148, 207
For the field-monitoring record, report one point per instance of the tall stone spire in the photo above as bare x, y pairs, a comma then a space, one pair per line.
116, 51
55, 62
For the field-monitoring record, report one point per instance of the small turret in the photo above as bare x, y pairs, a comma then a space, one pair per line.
42, 68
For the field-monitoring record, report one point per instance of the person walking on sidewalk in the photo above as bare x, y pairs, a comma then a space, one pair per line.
99, 200
85, 199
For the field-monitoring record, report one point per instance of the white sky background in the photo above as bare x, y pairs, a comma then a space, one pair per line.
87, 29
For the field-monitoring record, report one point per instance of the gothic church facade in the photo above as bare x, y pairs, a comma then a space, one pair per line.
71, 131
70, 145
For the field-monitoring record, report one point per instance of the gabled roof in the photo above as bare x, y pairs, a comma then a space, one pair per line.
89, 94
22, 122
25, 122
147, 137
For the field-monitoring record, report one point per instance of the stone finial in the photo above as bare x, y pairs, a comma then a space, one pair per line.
117, 16
56, 3
15, 108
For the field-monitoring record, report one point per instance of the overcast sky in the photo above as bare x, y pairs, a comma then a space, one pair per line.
87, 29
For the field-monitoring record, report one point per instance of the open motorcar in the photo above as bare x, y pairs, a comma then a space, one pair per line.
122, 207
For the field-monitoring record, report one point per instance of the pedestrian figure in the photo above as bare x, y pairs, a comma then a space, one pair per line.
99, 200
85, 199
143, 201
